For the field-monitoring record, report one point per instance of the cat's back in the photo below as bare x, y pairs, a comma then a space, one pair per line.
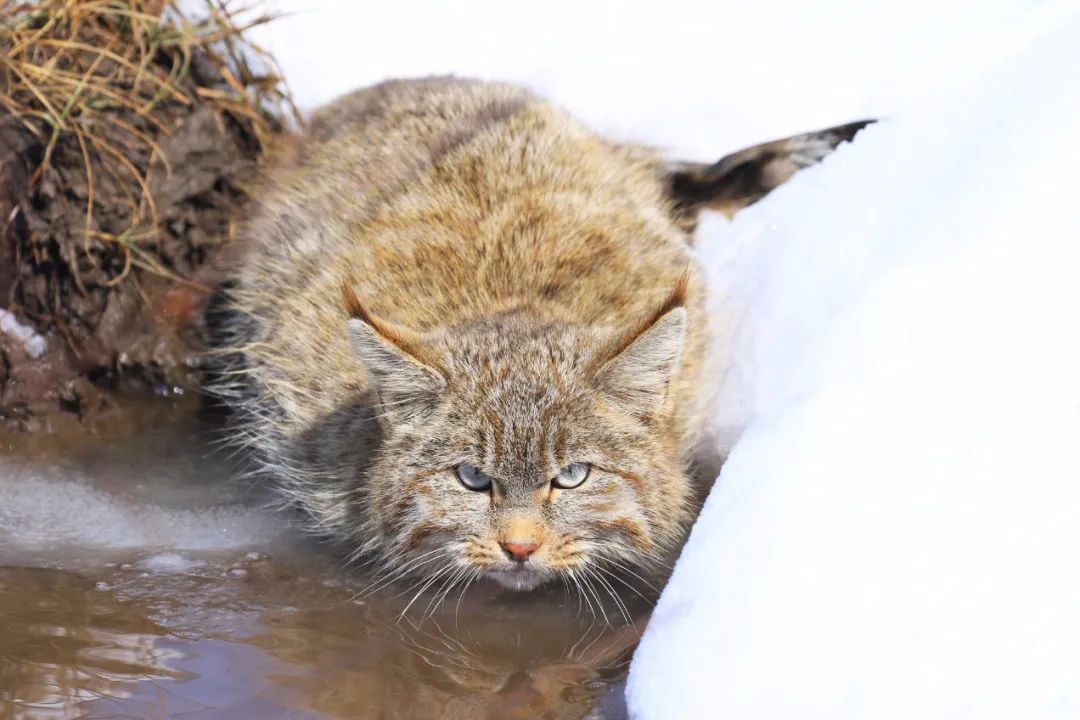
477, 195
438, 201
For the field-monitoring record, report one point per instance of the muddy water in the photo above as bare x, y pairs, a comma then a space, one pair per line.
136, 581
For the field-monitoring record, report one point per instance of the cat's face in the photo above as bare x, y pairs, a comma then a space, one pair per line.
524, 451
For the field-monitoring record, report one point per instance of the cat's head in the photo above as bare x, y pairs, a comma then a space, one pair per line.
524, 449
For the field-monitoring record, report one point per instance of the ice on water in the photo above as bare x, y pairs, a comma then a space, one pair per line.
166, 499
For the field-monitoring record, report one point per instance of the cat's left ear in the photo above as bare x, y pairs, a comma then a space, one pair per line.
636, 369
744, 177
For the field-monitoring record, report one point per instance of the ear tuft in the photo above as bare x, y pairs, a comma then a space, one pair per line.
401, 338
353, 306
677, 296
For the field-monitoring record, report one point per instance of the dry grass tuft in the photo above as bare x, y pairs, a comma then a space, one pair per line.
116, 77
130, 135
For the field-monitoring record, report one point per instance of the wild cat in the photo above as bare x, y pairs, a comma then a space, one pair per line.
467, 338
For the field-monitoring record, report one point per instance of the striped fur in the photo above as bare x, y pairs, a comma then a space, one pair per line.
445, 271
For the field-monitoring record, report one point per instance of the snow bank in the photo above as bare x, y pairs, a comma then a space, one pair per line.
895, 534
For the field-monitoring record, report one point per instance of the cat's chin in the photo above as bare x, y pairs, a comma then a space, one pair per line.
519, 580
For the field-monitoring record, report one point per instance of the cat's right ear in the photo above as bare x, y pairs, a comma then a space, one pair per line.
406, 379
636, 369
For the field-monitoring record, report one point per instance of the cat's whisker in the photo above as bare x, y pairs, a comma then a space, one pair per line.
439, 551
396, 573
566, 593
440, 593
591, 595
599, 634
572, 653
596, 580
458, 656
614, 595
622, 567
457, 607
429, 654
588, 578
425, 586
452, 643
616, 576
580, 594
421, 580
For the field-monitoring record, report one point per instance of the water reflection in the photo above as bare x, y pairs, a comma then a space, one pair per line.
63, 643
249, 636
490, 655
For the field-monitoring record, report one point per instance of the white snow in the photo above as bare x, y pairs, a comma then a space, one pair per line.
34, 344
699, 77
895, 533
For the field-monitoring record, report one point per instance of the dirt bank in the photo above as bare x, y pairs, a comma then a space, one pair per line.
128, 137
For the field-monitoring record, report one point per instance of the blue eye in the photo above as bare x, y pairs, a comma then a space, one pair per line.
471, 477
571, 476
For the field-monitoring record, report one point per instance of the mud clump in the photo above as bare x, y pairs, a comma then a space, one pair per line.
129, 138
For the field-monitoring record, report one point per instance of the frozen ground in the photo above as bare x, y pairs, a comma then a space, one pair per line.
893, 534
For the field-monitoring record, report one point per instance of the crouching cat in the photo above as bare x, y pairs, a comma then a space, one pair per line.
467, 337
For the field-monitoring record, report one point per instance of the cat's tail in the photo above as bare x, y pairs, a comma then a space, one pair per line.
744, 177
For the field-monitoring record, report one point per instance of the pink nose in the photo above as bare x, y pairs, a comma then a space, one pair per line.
520, 551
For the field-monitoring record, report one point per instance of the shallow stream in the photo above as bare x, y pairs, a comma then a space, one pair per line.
137, 580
